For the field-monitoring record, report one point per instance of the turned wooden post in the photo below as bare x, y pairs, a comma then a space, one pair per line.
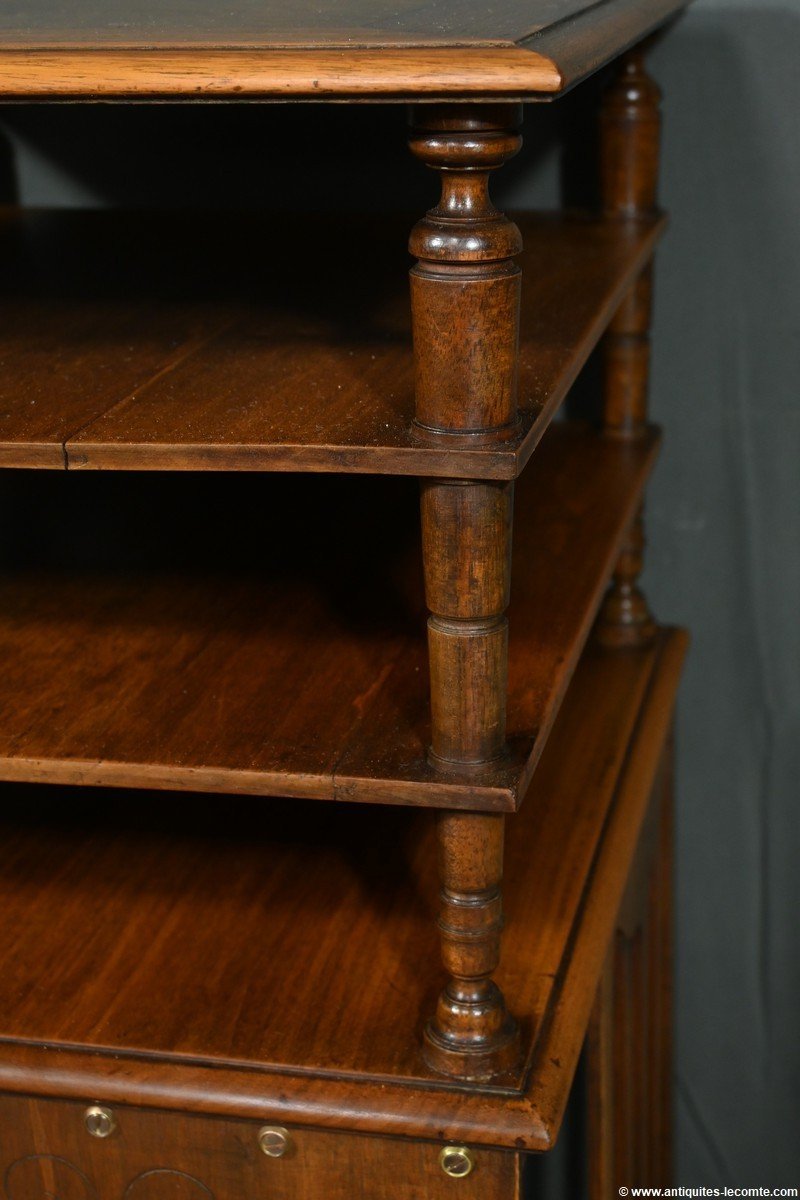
465, 290
630, 126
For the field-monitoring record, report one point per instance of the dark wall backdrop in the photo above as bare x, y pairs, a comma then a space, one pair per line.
725, 559
724, 513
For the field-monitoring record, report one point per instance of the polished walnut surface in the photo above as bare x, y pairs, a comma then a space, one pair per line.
307, 676
264, 355
46, 1151
279, 962
315, 51
258, 955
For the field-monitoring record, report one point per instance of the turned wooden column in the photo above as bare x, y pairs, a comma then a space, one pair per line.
630, 126
465, 291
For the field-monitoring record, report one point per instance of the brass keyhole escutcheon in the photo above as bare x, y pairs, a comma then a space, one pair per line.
100, 1122
274, 1140
456, 1161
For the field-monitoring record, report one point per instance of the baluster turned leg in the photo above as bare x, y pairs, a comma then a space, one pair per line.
629, 143
465, 303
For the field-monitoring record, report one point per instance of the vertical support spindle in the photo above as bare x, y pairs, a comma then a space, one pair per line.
630, 126
465, 292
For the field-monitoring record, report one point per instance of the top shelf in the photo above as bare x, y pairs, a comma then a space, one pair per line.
145, 342
261, 49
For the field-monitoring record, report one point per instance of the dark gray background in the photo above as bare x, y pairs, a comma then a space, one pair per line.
724, 513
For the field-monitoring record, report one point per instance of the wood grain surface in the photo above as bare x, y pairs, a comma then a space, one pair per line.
297, 948
260, 357
629, 1041
45, 1150
630, 128
526, 48
465, 314
291, 74
286, 680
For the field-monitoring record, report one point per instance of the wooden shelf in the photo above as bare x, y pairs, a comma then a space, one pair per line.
201, 347
292, 681
304, 945
380, 50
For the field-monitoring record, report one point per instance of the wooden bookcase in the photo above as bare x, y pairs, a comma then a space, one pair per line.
222, 968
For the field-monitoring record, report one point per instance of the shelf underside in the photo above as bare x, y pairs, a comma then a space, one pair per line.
282, 678
190, 343
281, 967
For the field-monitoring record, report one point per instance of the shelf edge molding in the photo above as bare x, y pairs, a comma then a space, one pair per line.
372, 740
353, 65
521, 1116
272, 386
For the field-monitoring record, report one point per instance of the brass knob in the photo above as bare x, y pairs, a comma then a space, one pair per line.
456, 1161
100, 1122
274, 1140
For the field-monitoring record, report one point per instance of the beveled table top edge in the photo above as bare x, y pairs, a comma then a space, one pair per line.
537, 65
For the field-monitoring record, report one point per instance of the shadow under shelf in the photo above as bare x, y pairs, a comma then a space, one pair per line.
305, 683
235, 343
278, 963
